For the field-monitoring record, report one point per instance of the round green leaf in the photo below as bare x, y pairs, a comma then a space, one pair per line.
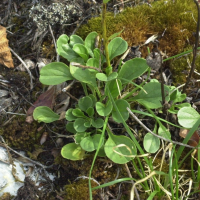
101, 77
151, 143
187, 117
132, 69
55, 73
69, 116
162, 131
72, 151
121, 105
79, 125
97, 123
45, 114
120, 149
104, 110
84, 103
117, 47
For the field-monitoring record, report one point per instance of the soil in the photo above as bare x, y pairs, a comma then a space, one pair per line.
42, 143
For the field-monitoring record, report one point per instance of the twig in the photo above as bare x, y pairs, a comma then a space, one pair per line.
69, 86
195, 48
84, 67
158, 136
54, 41
24, 64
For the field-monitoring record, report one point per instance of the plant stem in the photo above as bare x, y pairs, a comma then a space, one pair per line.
105, 40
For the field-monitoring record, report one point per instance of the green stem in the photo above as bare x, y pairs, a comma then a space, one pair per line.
105, 40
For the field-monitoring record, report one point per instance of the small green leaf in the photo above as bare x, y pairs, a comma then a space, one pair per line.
82, 51
93, 99
90, 40
117, 47
132, 69
68, 53
88, 124
79, 137
90, 111
91, 143
121, 105
115, 35
84, 103
73, 151
55, 73
69, 116
78, 113
187, 117
75, 39
92, 62
104, 110
70, 127
45, 114
120, 149
151, 143
97, 123
79, 125
103, 77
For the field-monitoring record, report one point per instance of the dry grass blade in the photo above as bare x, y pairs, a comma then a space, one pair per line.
5, 54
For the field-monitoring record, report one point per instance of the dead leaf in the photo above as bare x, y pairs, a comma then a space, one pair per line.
194, 140
45, 99
5, 54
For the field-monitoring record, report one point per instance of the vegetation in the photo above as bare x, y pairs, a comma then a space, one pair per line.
110, 92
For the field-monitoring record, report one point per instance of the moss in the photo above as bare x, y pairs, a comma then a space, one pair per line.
141, 22
80, 190
20, 134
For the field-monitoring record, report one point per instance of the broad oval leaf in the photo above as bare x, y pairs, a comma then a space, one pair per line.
82, 51
104, 110
45, 114
187, 117
151, 95
164, 132
120, 149
121, 105
55, 73
117, 47
72, 151
103, 77
151, 143
132, 69
84, 75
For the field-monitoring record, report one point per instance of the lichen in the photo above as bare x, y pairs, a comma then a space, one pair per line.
55, 13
